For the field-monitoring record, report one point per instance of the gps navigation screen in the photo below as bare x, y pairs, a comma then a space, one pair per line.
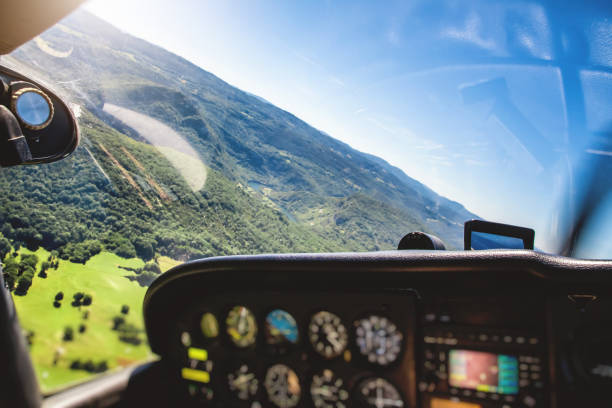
481, 371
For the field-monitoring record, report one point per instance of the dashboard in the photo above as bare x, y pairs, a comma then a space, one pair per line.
430, 329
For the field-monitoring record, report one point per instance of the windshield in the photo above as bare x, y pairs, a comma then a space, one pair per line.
218, 128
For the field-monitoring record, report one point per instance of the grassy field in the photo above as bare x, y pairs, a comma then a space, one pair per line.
106, 283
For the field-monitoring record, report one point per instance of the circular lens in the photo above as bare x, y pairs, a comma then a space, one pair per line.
33, 108
327, 334
241, 326
378, 339
209, 325
283, 386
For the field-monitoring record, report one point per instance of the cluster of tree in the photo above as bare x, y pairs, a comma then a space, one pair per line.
145, 275
18, 275
89, 366
80, 252
81, 299
68, 334
127, 332
59, 296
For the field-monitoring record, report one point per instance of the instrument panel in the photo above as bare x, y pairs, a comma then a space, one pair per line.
505, 329
288, 350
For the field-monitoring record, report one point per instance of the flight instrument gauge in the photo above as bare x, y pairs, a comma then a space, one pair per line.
328, 391
378, 339
243, 383
327, 334
281, 328
283, 386
241, 326
378, 393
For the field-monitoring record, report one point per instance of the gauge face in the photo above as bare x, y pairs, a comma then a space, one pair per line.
281, 328
209, 325
327, 334
378, 339
283, 386
327, 391
241, 326
378, 393
243, 383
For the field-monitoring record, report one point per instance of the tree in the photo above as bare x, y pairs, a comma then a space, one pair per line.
23, 284
28, 260
29, 337
152, 267
57, 304
87, 300
144, 248
125, 309
59, 295
82, 328
5, 247
11, 272
118, 321
77, 297
68, 334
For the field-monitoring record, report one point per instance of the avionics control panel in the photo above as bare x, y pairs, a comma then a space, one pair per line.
468, 362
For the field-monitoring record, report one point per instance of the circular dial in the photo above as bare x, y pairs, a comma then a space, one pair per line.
283, 386
328, 391
378, 339
243, 383
378, 393
241, 326
209, 325
327, 334
281, 328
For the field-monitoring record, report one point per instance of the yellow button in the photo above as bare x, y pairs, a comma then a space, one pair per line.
197, 354
195, 375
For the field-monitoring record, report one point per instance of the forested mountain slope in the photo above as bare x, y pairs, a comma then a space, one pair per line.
273, 184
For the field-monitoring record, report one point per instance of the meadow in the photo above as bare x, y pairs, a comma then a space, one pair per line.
102, 278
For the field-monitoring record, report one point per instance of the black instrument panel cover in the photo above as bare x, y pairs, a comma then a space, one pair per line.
499, 271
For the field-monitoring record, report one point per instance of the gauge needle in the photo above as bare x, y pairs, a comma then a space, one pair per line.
332, 337
325, 392
243, 379
242, 320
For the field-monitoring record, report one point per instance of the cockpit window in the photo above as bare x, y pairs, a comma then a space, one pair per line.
211, 128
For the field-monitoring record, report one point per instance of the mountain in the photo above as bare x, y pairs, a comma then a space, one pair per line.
275, 184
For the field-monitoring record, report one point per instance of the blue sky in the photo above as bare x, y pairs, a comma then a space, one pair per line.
397, 81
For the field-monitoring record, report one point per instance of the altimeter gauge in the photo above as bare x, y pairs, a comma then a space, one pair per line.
327, 334
378, 339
